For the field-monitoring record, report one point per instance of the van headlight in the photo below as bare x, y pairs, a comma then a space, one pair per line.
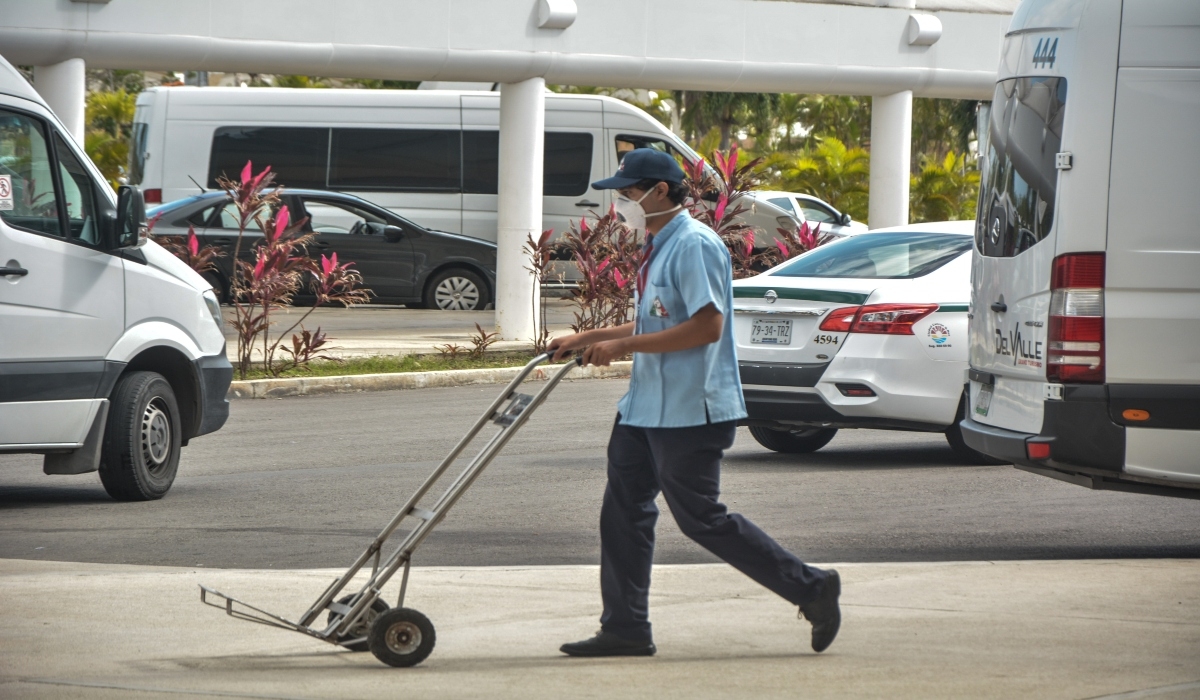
214, 307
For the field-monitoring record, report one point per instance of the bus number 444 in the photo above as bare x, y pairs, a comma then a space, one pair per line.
1045, 53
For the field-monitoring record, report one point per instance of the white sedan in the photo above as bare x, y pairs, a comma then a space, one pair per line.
869, 331
815, 211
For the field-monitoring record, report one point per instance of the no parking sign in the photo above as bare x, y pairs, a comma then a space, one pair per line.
6, 198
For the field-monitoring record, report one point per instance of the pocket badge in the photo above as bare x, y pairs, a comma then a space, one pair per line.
658, 310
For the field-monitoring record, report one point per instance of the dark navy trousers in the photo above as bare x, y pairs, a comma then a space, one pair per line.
685, 465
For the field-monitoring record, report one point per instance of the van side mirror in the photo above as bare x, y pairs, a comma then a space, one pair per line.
845, 219
130, 229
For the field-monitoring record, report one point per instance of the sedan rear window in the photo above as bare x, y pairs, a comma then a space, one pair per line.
901, 255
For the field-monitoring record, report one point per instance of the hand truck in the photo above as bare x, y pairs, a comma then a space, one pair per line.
360, 621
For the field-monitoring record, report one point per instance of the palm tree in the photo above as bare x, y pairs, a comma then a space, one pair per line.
944, 190
831, 171
109, 117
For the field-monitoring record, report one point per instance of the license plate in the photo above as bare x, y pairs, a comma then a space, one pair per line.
771, 331
983, 400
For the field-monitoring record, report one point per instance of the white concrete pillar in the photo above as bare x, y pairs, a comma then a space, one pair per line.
519, 210
891, 155
64, 87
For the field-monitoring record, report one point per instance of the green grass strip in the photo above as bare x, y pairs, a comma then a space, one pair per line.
388, 364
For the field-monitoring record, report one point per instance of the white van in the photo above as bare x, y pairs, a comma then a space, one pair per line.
111, 352
1085, 314
429, 155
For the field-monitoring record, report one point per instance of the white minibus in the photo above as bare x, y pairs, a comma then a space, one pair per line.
1085, 310
111, 351
429, 155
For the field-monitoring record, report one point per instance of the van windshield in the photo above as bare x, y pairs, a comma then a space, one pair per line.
1019, 175
900, 255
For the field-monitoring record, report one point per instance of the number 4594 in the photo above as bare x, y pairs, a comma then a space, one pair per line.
826, 340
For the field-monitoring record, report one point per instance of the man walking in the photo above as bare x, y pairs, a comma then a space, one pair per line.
677, 419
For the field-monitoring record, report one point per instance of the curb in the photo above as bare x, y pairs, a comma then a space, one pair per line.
310, 386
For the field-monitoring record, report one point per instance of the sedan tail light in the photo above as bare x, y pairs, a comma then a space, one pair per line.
1075, 351
840, 320
886, 319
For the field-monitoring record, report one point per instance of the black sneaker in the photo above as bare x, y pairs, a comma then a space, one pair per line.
609, 644
824, 613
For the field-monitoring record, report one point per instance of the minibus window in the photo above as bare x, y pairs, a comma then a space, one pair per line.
297, 155
27, 198
79, 196
396, 160
1019, 177
567, 166
481, 161
566, 163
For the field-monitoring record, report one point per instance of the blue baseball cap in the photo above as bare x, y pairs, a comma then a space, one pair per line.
642, 164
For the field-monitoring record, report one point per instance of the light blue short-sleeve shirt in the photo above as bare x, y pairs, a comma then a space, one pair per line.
690, 269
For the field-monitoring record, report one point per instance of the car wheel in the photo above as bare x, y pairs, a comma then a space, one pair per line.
456, 289
960, 446
793, 441
142, 438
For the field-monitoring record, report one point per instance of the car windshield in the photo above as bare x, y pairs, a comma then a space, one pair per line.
901, 255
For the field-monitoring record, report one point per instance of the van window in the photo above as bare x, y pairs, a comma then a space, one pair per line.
566, 163
27, 198
396, 160
137, 152
297, 155
628, 142
79, 195
1016, 204
901, 255
481, 161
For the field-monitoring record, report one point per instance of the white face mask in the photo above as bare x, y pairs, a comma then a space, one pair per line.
632, 213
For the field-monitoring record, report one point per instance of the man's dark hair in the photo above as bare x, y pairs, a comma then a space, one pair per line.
677, 192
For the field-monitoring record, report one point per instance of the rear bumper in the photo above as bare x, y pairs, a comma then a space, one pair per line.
215, 373
1087, 447
777, 409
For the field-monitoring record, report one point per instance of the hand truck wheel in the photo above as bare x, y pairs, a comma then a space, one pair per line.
401, 637
363, 627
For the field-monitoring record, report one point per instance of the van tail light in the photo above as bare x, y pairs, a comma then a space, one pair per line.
886, 319
153, 196
840, 320
1075, 350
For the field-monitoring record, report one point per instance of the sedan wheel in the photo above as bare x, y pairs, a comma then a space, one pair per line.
457, 290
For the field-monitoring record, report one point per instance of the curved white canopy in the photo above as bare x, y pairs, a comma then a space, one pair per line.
846, 47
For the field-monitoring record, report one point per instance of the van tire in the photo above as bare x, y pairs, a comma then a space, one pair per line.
960, 447
142, 440
793, 441
456, 280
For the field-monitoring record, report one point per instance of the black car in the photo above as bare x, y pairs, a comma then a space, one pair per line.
400, 262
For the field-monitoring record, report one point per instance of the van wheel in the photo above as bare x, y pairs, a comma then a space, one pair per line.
799, 441
142, 438
456, 289
960, 447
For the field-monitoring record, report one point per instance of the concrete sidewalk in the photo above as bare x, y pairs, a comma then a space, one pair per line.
1046, 629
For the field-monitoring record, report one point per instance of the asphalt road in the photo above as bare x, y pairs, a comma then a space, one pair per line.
306, 482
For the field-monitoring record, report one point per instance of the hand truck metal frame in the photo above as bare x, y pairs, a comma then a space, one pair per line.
360, 621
